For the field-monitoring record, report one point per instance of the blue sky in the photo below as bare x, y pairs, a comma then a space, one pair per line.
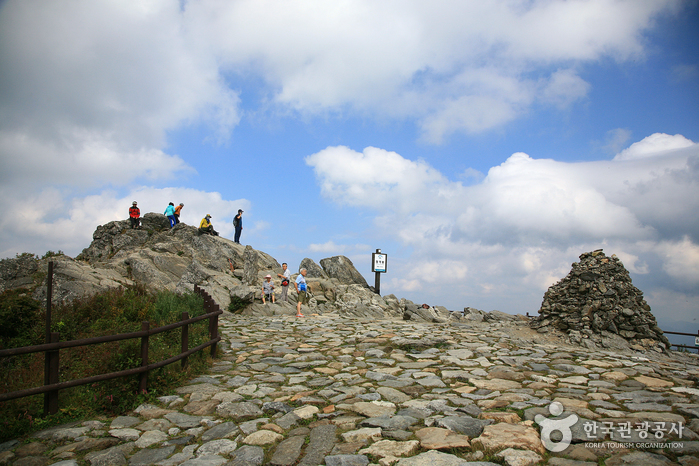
482, 145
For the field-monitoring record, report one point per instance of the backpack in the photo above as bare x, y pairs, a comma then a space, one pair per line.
285, 282
235, 222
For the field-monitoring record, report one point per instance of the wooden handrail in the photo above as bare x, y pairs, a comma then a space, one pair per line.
52, 350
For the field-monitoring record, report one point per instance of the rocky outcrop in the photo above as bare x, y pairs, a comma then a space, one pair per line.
313, 270
160, 258
596, 303
341, 268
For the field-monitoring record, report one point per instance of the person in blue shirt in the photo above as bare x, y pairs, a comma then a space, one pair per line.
302, 290
170, 212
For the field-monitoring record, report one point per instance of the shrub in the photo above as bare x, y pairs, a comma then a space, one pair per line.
112, 312
19, 316
237, 304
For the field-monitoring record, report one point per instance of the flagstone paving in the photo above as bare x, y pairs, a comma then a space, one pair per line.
344, 392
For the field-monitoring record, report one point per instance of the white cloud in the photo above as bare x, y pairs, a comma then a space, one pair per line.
50, 219
517, 231
90, 89
88, 160
653, 146
681, 260
563, 88
327, 247
461, 66
616, 139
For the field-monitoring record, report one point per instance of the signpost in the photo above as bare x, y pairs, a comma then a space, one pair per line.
378, 265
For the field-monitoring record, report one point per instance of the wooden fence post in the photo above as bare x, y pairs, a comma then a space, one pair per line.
185, 339
143, 376
47, 339
51, 398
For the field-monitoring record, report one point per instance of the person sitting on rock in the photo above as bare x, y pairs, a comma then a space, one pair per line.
206, 227
170, 212
267, 289
135, 215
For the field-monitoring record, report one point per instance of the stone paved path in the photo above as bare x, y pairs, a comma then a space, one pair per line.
343, 392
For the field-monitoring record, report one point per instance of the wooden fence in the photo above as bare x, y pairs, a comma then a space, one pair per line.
52, 351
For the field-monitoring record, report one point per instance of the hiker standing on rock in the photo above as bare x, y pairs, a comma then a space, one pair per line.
286, 278
206, 227
238, 224
135, 215
170, 212
178, 209
302, 290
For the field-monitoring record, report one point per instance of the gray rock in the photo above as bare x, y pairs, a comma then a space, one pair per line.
209, 460
124, 421
313, 270
322, 441
223, 430
463, 425
184, 421
150, 456
390, 423
346, 460
247, 455
437, 458
111, 457
341, 268
239, 411
288, 451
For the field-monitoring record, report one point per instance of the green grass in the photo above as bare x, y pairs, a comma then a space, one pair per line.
22, 323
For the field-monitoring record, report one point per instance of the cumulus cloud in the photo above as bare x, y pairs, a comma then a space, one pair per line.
654, 145
464, 66
521, 225
90, 89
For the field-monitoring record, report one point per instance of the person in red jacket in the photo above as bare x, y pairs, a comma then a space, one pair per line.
135, 215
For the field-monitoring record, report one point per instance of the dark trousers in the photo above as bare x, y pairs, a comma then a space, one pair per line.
238, 231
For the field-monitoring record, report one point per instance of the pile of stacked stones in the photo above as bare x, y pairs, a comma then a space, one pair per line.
597, 304
336, 391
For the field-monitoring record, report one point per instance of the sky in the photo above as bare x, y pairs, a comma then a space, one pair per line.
483, 146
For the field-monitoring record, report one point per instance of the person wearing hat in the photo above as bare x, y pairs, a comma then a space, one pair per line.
135, 215
206, 227
178, 209
267, 289
238, 224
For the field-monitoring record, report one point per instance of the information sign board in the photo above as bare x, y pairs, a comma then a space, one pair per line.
378, 262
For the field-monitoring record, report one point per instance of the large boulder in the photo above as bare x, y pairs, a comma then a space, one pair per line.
313, 270
341, 268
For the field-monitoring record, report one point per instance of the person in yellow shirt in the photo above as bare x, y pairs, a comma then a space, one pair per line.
206, 227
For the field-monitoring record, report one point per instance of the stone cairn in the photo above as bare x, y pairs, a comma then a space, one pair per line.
597, 303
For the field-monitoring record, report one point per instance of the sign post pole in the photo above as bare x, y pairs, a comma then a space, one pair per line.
378, 265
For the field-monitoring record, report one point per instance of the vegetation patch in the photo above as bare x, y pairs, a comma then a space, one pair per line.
237, 304
117, 311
